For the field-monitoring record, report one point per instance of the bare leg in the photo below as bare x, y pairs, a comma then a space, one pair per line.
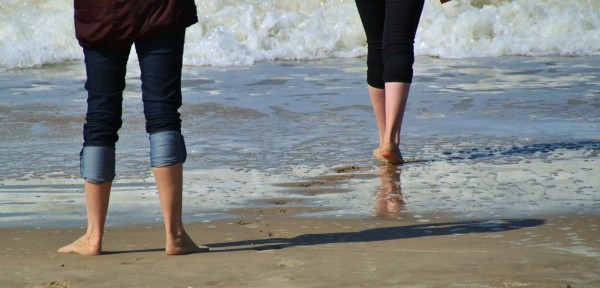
169, 181
96, 199
396, 96
378, 102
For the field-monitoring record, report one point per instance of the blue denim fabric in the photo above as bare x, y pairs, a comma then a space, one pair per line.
97, 164
167, 148
160, 63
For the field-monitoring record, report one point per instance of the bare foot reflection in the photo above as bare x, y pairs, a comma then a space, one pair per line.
389, 202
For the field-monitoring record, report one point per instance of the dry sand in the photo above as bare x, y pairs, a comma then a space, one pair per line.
270, 247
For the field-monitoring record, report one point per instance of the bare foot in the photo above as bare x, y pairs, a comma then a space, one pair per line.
83, 246
183, 245
391, 153
377, 154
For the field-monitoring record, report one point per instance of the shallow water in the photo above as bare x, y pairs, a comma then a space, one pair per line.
493, 137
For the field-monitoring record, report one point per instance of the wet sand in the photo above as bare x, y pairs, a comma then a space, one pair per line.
269, 247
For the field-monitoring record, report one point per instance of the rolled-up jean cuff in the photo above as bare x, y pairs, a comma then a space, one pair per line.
97, 164
167, 148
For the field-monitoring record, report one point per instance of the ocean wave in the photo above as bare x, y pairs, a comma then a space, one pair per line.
231, 32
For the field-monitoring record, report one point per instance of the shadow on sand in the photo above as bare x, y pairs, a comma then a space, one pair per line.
380, 234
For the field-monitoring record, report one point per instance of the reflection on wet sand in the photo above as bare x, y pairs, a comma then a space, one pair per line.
389, 202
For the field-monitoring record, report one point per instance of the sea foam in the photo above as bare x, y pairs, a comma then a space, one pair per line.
231, 32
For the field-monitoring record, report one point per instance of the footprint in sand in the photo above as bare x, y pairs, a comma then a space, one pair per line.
287, 262
56, 284
133, 261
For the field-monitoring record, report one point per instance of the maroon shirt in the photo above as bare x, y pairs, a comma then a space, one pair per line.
117, 23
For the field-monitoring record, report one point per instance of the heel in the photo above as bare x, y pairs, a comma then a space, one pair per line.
392, 154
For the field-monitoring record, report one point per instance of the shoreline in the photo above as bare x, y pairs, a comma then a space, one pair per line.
552, 183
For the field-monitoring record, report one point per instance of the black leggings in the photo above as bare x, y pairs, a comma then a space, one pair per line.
390, 26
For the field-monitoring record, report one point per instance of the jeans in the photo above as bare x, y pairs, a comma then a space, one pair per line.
160, 63
390, 26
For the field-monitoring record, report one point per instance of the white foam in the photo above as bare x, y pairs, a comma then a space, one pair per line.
524, 187
36, 33
243, 32
526, 27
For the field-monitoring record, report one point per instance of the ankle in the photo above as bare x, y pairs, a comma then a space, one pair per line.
175, 233
94, 234
389, 146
